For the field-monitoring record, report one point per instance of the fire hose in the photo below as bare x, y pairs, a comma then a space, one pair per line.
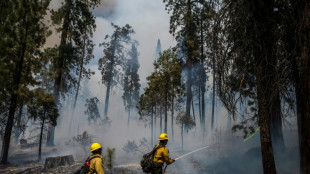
185, 156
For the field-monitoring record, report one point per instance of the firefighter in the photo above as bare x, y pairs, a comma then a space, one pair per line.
161, 155
96, 164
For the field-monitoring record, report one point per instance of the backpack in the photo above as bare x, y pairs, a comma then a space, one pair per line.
86, 166
147, 162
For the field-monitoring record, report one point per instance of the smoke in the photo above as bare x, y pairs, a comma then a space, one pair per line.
227, 154
106, 10
149, 20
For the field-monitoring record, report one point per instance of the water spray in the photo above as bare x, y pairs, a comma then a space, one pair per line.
251, 135
186, 155
191, 152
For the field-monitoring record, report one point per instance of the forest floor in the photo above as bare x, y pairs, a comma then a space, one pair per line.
230, 155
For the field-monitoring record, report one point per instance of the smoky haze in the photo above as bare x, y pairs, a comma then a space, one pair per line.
150, 22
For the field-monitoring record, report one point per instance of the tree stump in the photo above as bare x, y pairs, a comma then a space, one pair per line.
53, 162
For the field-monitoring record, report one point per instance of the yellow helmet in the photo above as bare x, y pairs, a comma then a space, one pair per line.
163, 136
95, 146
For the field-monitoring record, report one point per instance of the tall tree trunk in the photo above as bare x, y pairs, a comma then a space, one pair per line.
276, 125
107, 96
172, 118
78, 88
56, 92
155, 119
59, 71
213, 95
193, 109
199, 104
203, 115
264, 123
166, 111
228, 127
302, 83
152, 127
160, 119
41, 137
202, 84
182, 136
17, 128
189, 47
128, 117
13, 104
265, 63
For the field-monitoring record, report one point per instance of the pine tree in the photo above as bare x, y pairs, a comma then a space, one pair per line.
131, 81
169, 80
298, 30
76, 26
23, 34
42, 108
92, 110
164, 89
158, 50
253, 73
85, 56
114, 55
184, 120
183, 17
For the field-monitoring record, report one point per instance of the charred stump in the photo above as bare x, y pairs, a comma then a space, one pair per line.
53, 162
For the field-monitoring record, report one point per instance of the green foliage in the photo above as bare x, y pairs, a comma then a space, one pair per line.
132, 147
163, 84
23, 34
184, 120
42, 107
131, 80
76, 25
113, 60
84, 140
92, 110
110, 157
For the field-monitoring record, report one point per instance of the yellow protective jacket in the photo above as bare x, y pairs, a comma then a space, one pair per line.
96, 165
162, 155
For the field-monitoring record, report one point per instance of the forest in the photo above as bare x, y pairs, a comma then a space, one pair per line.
228, 78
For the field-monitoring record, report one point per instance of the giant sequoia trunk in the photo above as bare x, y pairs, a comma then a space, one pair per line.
265, 133
263, 97
265, 63
202, 89
172, 118
41, 138
190, 34
166, 110
160, 119
193, 109
107, 97
77, 89
213, 93
203, 113
59, 72
155, 119
303, 84
276, 125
